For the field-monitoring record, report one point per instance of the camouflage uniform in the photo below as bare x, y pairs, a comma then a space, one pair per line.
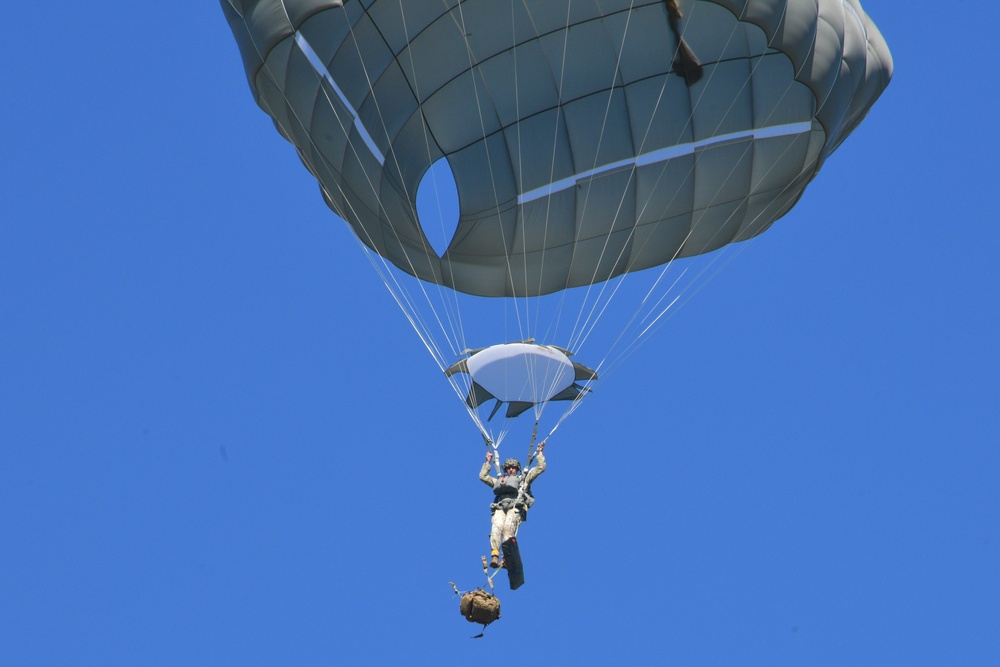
507, 517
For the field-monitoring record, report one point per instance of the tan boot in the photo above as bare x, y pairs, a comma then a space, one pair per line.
495, 559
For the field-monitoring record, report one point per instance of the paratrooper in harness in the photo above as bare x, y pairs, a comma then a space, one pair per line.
511, 498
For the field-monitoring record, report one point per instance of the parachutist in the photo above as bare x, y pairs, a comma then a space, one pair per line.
511, 500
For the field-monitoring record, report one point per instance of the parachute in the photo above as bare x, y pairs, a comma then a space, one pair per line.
584, 143
522, 375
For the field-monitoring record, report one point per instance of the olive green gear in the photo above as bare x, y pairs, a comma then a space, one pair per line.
512, 463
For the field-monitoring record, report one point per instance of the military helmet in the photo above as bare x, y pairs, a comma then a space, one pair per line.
512, 463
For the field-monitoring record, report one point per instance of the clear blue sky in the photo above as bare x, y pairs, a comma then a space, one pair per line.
222, 444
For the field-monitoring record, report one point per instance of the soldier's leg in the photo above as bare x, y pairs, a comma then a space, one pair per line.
496, 531
510, 525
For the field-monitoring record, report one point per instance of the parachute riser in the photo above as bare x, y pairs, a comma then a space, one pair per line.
522, 488
532, 450
496, 452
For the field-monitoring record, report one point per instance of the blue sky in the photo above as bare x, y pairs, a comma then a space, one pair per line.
222, 444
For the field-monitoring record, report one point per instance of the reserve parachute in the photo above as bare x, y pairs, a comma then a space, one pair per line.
585, 141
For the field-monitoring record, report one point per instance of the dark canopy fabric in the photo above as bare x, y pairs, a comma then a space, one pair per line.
578, 153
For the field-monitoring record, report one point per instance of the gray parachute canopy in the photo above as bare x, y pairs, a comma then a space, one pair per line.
578, 152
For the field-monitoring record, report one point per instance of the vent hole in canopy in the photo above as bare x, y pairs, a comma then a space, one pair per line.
437, 205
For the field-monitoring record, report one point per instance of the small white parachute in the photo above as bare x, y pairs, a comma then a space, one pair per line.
522, 375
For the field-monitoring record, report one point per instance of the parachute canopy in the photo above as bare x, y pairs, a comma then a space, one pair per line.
522, 375
585, 140
578, 152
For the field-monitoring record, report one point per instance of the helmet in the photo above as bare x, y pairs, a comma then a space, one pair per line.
512, 463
